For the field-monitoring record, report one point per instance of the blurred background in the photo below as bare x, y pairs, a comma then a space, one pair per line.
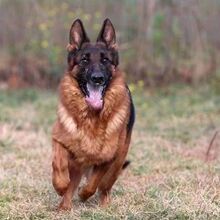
160, 41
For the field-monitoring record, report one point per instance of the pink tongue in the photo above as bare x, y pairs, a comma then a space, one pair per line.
95, 98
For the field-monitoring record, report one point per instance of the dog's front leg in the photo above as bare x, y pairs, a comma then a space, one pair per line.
65, 175
60, 169
75, 177
93, 181
113, 172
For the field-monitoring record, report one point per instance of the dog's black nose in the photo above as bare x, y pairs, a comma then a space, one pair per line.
98, 78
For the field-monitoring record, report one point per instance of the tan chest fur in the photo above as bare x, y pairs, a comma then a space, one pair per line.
91, 137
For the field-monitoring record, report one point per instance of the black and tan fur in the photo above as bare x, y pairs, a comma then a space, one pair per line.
89, 141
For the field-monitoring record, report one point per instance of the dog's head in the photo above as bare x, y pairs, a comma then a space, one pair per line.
94, 63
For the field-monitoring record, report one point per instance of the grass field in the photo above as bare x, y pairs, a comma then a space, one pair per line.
169, 177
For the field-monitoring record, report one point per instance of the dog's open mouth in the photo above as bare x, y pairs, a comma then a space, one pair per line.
94, 98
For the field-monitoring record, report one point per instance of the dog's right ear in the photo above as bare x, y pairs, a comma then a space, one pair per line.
77, 37
78, 34
107, 34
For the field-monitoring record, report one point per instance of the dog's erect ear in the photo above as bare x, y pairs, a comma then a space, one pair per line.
107, 34
77, 34
76, 39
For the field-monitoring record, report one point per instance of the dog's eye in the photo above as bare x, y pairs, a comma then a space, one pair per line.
84, 61
105, 60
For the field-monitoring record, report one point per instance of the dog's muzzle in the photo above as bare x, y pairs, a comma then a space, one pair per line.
95, 87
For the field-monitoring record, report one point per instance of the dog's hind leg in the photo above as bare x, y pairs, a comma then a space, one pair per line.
60, 170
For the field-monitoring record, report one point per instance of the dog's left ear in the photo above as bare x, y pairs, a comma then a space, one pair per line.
108, 37
107, 34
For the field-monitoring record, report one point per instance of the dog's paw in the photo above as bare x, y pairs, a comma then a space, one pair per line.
104, 200
64, 206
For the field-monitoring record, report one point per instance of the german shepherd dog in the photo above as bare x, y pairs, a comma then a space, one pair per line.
95, 116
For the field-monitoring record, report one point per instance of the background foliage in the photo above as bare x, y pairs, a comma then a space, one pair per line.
161, 41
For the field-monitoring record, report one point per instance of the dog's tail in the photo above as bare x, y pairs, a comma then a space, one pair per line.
126, 163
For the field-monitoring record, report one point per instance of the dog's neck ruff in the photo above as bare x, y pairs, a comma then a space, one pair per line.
66, 120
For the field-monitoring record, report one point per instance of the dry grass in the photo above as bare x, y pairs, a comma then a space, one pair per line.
168, 177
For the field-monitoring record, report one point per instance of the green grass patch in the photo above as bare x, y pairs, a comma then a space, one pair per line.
168, 177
